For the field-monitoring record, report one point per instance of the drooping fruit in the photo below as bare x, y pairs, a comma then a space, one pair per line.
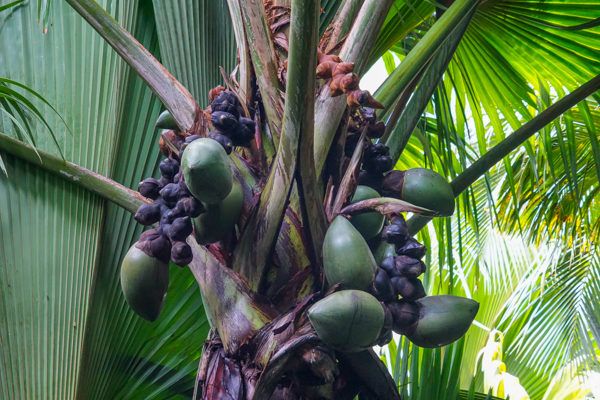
347, 259
207, 170
442, 320
368, 224
166, 121
219, 219
144, 281
349, 320
421, 187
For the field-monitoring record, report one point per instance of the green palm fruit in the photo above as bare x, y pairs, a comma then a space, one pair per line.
207, 170
144, 281
166, 121
368, 224
349, 320
383, 251
219, 219
421, 187
442, 320
347, 259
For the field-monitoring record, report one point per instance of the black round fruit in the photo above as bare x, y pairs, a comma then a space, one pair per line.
223, 140
149, 188
181, 253
180, 229
412, 248
395, 234
168, 168
148, 214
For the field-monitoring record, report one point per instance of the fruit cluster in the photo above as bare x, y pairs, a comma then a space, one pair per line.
231, 127
397, 276
173, 208
342, 80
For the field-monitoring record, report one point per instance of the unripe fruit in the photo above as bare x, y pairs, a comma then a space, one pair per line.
442, 320
421, 187
207, 170
219, 219
144, 281
347, 259
369, 224
348, 321
166, 121
383, 251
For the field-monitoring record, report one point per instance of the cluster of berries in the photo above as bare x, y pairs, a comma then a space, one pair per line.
396, 282
231, 128
173, 208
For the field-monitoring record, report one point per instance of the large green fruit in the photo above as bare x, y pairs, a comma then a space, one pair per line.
368, 224
219, 219
421, 187
144, 281
442, 320
166, 121
347, 259
349, 320
207, 170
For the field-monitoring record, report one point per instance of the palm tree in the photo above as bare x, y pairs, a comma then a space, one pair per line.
470, 72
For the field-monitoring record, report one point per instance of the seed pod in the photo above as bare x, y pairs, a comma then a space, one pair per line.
166, 121
409, 267
149, 188
181, 253
168, 168
421, 187
369, 224
148, 214
219, 219
378, 165
442, 320
368, 179
223, 141
388, 265
349, 320
180, 229
207, 170
191, 207
159, 247
375, 131
364, 98
144, 281
412, 248
383, 286
170, 193
408, 288
395, 234
224, 121
404, 314
347, 259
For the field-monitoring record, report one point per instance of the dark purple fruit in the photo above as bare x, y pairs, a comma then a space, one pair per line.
164, 181
170, 193
191, 206
377, 149
149, 188
376, 130
243, 136
191, 138
174, 213
226, 101
224, 121
395, 234
148, 214
159, 247
404, 314
412, 248
181, 253
168, 168
410, 267
388, 265
223, 140
379, 164
148, 235
368, 179
408, 288
180, 228
383, 287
